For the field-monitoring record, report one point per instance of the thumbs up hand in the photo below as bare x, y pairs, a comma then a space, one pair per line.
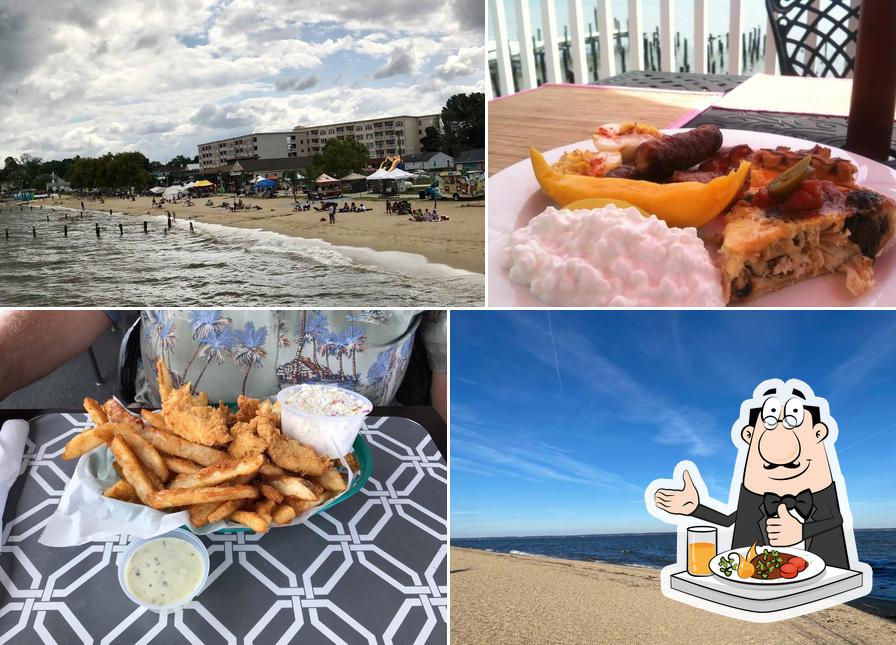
678, 502
784, 530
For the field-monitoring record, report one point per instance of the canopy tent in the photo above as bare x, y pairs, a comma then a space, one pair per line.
158, 190
173, 192
326, 179
400, 174
259, 178
353, 182
265, 183
379, 174
352, 177
189, 186
203, 183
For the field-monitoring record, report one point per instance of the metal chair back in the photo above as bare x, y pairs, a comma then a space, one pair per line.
814, 38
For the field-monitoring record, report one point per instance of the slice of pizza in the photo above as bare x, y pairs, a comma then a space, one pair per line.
820, 228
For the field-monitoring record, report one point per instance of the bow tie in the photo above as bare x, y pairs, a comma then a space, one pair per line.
802, 502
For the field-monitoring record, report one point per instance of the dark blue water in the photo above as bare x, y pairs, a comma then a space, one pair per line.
877, 547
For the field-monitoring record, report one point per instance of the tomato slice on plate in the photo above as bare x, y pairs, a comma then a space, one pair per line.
800, 563
789, 570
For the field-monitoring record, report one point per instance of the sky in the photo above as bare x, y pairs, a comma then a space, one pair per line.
560, 420
161, 76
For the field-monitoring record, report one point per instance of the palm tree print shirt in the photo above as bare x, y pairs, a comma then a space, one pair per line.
259, 352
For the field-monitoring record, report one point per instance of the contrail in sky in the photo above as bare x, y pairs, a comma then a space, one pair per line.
556, 360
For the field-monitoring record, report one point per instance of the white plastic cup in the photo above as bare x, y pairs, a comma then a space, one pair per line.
330, 436
179, 534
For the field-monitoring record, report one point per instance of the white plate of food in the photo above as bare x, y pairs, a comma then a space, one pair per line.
515, 198
769, 566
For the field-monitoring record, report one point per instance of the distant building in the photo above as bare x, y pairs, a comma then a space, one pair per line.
470, 160
261, 145
57, 185
393, 135
427, 161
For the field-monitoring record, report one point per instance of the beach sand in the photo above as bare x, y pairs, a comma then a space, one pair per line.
459, 242
500, 598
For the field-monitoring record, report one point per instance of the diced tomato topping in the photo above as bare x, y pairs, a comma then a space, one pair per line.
789, 570
799, 563
811, 195
762, 198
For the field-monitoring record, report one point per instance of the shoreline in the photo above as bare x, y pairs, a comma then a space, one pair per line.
458, 243
504, 598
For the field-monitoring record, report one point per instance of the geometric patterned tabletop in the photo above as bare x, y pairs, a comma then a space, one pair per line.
372, 569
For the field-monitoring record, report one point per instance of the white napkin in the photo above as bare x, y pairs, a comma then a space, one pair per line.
12, 446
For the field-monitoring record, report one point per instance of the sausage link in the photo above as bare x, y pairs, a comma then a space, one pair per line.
661, 157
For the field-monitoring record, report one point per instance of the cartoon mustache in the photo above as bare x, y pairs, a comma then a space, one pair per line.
791, 465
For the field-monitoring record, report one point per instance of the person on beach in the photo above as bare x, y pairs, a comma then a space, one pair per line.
393, 349
332, 210
388, 207
788, 490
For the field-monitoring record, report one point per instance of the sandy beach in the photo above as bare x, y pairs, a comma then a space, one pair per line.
500, 598
458, 243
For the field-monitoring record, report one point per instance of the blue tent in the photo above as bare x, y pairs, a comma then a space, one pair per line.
265, 183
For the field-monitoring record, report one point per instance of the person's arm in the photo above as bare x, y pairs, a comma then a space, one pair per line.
713, 516
434, 330
439, 394
34, 343
822, 521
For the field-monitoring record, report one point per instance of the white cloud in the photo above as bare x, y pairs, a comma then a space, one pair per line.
163, 76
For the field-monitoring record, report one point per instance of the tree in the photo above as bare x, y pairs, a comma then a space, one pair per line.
181, 161
432, 140
339, 158
463, 123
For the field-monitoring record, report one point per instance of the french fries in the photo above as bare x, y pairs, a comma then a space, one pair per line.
87, 441
181, 466
296, 487
219, 473
283, 514
215, 475
95, 411
253, 520
122, 490
271, 493
167, 442
133, 471
170, 497
144, 450
223, 511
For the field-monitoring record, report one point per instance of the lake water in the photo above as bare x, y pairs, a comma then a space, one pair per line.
655, 550
215, 266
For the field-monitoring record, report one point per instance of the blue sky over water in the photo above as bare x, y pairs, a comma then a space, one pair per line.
560, 419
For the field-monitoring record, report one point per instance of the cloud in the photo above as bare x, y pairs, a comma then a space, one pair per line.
636, 403
296, 84
401, 62
470, 14
465, 62
61, 76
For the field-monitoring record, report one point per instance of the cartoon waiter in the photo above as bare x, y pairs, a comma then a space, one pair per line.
788, 496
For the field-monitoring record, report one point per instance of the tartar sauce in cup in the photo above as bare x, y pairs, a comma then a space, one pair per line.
164, 572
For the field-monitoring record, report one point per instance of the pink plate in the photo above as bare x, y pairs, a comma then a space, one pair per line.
515, 198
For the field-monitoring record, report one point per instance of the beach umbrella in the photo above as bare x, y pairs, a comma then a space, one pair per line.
158, 190
326, 179
203, 183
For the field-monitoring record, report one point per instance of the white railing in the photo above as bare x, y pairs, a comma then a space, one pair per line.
524, 59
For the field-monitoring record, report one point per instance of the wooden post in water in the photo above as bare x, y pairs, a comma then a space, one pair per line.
120, 229
33, 232
65, 230
7, 234
97, 230
144, 228
191, 227
870, 127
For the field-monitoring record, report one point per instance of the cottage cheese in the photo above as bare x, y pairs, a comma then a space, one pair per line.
321, 400
611, 257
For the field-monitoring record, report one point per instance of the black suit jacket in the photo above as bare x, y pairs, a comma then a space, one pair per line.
822, 530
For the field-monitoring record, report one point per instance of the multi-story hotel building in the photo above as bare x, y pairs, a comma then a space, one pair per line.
394, 135
397, 135
261, 145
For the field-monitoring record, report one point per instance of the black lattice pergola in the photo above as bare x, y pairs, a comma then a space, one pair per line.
794, 23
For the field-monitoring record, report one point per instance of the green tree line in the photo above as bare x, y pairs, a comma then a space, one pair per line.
121, 170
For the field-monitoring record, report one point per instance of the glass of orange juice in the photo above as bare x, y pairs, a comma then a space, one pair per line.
701, 549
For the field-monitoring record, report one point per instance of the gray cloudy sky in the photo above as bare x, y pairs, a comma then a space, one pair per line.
161, 76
